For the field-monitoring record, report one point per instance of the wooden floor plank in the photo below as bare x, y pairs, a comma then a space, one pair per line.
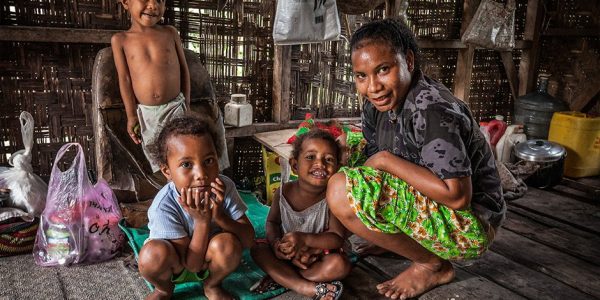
520, 279
551, 222
579, 214
586, 248
464, 286
560, 266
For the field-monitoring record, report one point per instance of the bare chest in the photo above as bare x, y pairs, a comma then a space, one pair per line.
158, 50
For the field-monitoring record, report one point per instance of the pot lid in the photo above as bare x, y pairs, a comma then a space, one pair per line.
539, 150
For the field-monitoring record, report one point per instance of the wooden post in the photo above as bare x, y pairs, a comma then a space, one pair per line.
464, 62
392, 8
282, 68
511, 72
527, 67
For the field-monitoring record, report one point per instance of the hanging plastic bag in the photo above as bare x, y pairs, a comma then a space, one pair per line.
493, 26
27, 190
80, 221
303, 21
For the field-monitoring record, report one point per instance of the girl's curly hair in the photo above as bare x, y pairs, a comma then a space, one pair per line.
316, 133
188, 124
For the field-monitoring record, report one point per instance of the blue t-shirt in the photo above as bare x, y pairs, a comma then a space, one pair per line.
169, 221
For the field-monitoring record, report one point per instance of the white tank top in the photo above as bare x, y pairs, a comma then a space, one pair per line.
313, 219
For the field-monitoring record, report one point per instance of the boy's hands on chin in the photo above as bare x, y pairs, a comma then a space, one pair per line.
197, 204
133, 129
218, 192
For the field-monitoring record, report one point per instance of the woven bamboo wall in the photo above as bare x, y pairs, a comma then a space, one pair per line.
571, 60
52, 80
322, 73
235, 44
99, 14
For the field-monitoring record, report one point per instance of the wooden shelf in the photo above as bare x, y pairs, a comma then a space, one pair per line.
571, 32
250, 130
457, 44
55, 35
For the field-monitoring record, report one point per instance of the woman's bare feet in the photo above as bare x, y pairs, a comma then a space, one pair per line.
416, 280
216, 292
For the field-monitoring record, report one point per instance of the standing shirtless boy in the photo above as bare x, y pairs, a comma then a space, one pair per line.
153, 73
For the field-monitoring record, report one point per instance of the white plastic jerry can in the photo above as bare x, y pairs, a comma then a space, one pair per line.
238, 112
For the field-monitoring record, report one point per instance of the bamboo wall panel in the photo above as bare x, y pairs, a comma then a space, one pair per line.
51, 81
100, 14
570, 50
236, 46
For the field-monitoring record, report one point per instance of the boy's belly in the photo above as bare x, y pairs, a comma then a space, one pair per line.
156, 85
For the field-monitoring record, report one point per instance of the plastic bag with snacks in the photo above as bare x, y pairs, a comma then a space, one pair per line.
80, 221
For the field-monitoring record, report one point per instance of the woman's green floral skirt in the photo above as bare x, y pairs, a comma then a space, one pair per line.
386, 203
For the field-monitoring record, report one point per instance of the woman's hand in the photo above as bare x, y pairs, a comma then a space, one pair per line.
198, 205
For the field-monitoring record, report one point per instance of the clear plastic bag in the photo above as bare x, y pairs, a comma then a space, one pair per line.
301, 22
80, 221
493, 26
27, 190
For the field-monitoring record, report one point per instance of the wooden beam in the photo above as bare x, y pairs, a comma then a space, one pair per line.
55, 35
231, 132
528, 64
464, 62
584, 95
282, 67
458, 44
572, 32
511, 72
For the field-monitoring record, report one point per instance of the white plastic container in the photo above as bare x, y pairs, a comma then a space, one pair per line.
512, 136
238, 112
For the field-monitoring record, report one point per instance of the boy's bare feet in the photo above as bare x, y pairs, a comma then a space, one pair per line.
158, 294
216, 292
416, 280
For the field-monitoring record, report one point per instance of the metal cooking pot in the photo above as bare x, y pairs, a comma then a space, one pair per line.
549, 156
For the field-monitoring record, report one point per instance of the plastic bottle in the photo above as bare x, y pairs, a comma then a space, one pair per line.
496, 128
238, 112
512, 136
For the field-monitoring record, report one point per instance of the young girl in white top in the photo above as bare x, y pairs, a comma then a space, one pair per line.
304, 239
